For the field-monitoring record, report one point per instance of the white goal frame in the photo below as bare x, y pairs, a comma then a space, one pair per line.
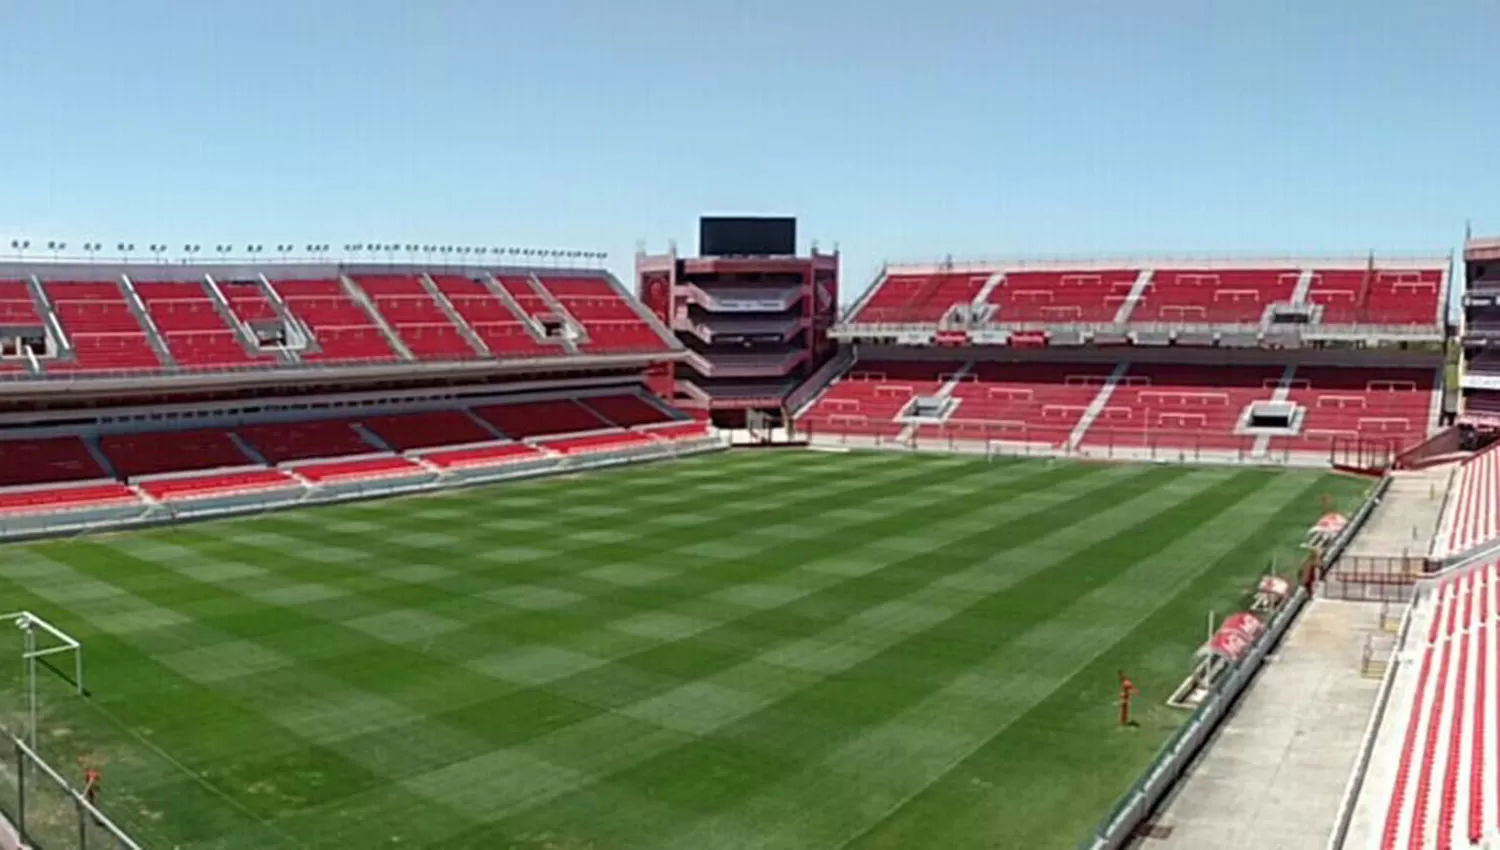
29, 624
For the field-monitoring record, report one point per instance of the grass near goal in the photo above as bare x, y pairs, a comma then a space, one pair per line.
764, 649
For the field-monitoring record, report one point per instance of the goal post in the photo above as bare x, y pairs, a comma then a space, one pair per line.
42, 640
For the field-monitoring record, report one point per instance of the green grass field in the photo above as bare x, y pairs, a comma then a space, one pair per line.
769, 650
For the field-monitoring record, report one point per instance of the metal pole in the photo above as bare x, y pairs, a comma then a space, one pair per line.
31, 680
21, 792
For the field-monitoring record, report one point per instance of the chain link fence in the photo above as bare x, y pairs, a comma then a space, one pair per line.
47, 813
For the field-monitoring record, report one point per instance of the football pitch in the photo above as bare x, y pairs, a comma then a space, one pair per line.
759, 649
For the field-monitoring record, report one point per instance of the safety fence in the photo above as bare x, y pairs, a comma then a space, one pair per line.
1119, 828
47, 812
1103, 443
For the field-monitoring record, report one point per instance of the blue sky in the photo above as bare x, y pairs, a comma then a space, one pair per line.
897, 130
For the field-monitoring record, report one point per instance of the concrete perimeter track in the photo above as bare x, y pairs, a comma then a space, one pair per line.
1274, 774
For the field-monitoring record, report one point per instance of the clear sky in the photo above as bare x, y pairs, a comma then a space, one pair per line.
897, 130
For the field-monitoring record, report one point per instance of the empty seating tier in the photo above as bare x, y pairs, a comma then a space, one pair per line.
1182, 406
53, 499
504, 332
406, 431
1231, 296
342, 330
47, 460
104, 333
1062, 296
223, 484
157, 452
305, 440
626, 410
482, 456
1395, 406
540, 418
1169, 291
1034, 403
867, 401
407, 306
196, 333
362, 469
903, 298
612, 324
1436, 739
595, 443
1471, 516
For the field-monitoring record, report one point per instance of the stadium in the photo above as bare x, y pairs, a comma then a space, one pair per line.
497, 550
590, 425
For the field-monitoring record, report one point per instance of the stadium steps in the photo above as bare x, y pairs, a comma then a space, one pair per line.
1096, 406
944, 391
91, 442
558, 310
249, 451
246, 336
1304, 284
1137, 292
500, 293
299, 336
481, 422
154, 337
982, 297
444, 304
1282, 392
43, 304
358, 295
371, 437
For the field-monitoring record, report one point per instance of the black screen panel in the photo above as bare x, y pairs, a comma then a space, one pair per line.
745, 236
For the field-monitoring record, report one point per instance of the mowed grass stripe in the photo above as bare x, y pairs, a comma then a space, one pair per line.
958, 716
576, 746
1064, 762
570, 745
635, 639
271, 754
777, 739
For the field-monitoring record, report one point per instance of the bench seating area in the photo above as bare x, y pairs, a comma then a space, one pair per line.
211, 463
1355, 291
1441, 733
1471, 516
194, 320
36, 500
1198, 407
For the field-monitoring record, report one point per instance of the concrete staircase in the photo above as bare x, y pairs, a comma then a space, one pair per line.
91, 442
371, 437
362, 298
298, 337
249, 451
1304, 283
532, 326
944, 391
1096, 406
1283, 389
242, 330
43, 306
1137, 292
154, 337
983, 295
464, 329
